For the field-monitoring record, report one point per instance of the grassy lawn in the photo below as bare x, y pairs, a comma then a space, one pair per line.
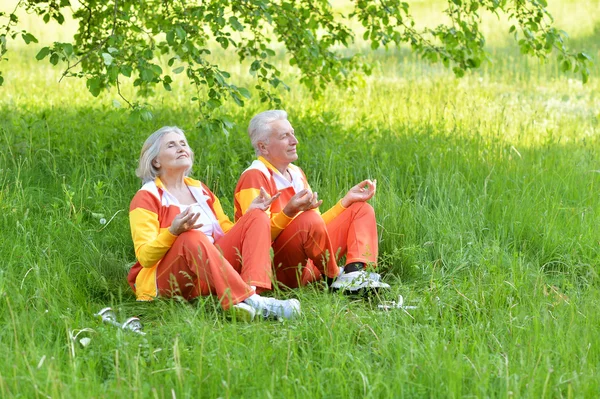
489, 224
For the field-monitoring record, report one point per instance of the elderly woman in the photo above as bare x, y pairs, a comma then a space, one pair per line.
185, 244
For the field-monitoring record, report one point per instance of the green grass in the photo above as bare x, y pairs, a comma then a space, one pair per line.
489, 222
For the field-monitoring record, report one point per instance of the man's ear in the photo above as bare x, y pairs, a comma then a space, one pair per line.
262, 147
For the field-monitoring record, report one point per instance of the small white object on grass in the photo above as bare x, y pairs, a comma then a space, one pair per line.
395, 305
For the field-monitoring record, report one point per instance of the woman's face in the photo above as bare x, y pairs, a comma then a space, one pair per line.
174, 154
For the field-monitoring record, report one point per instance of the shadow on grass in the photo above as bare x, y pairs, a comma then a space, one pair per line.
451, 201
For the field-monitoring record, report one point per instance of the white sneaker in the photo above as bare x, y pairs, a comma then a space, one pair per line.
243, 312
353, 282
271, 308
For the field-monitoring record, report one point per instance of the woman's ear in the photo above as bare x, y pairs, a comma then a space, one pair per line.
156, 164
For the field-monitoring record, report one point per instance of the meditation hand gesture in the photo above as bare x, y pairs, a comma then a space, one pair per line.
185, 221
362, 192
304, 200
263, 201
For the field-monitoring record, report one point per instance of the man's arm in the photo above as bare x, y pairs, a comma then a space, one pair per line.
362, 192
248, 188
333, 212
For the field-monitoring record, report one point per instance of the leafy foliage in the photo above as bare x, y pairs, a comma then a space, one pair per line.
120, 39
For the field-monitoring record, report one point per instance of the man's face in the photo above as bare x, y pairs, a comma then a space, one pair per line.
281, 148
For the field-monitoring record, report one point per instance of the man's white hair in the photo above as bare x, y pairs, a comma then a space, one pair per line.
259, 128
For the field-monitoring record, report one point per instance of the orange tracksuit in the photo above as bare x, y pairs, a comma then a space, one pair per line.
225, 262
309, 244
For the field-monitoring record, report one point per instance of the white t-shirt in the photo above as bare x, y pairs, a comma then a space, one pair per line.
211, 227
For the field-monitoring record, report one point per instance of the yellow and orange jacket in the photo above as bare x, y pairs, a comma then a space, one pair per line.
151, 213
262, 174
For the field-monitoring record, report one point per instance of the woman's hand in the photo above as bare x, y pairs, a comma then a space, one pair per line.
362, 192
263, 201
304, 200
185, 221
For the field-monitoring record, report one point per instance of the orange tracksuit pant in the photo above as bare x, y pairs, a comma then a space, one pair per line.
194, 266
308, 248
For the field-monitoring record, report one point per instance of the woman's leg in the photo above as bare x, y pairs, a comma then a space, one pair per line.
247, 248
194, 266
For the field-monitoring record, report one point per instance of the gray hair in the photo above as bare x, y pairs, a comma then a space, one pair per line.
259, 128
146, 170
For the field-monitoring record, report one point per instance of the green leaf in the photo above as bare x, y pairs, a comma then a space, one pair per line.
213, 103
178, 70
585, 74
126, 70
223, 42
156, 69
148, 54
583, 56
171, 37
473, 62
113, 73
28, 38
147, 75
94, 86
1, 80
237, 99
458, 71
227, 122
235, 24
244, 92
181, 33
42, 53
54, 59
68, 48
108, 59
146, 115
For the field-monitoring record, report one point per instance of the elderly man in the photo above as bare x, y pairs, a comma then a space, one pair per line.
307, 244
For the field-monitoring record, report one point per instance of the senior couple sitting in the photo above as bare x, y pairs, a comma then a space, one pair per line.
186, 245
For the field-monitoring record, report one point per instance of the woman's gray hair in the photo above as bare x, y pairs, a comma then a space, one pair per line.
146, 170
259, 128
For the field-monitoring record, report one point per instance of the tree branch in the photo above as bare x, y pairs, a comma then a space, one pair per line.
99, 46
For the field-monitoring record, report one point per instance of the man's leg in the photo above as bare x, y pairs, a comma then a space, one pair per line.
305, 238
194, 266
247, 248
354, 234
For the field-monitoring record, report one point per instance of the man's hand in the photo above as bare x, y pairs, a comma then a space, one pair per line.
362, 192
185, 221
263, 201
304, 200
